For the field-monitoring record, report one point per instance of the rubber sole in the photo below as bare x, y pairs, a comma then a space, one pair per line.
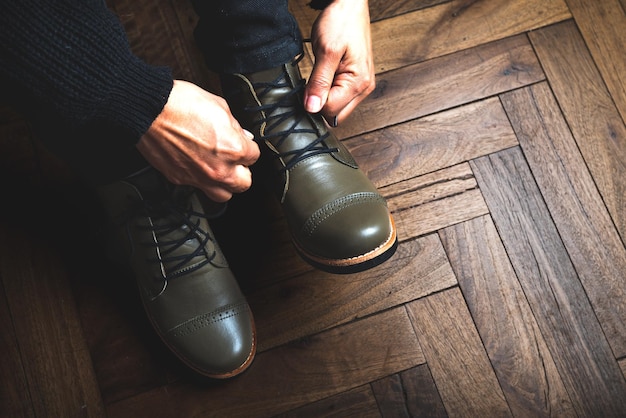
355, 264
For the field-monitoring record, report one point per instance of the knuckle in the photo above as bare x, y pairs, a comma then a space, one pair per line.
221, 102
331, 49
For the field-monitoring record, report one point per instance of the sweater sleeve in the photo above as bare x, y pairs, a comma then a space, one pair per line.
70, 60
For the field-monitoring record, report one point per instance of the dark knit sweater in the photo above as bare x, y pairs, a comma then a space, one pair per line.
69, 61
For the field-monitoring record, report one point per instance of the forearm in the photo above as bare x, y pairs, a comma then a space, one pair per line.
71, 59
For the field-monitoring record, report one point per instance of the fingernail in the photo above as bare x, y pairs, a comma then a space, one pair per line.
248, 134
313, 104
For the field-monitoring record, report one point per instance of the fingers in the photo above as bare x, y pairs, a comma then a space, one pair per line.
251, 151
239, 181
231, 177
345, 97
321, 80
343, 73
196, 141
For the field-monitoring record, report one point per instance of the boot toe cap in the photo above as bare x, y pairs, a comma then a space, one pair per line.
349, 234
219, 344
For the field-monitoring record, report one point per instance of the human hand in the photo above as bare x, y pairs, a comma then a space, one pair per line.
196, 141
343, 74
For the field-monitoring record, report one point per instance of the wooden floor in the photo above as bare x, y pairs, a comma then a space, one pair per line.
497, 135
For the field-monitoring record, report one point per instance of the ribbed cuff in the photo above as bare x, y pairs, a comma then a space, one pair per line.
138, 97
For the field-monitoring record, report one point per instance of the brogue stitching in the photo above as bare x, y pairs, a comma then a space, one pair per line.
204, 320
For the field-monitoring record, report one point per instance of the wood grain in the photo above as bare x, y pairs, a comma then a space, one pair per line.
359, 402
443, 83
452, 27
582, 220
390, 396
559, 303
422, 394
602, 24
307, 371
383, 9
58, 367
590, 112
411, 32
520, 316
15, 399
411, 393
433, 142
183, 13
456, 357
379, 10
436, 200
325, 300
127, 356
517, 350
52, 373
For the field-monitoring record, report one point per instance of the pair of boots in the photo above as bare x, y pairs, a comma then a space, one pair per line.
338, 221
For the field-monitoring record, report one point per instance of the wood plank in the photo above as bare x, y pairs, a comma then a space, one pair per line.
524, 366
456, 357
293, 375
428, 187
192, 57
383, 9
58, 366
390, 396
129, 361
55, 362
570, 193
418, 33
423, 397
359, 402
411, 393
452, 27
324, 300
433, 142
558, 301
127, 356
452, 199
15, 399
443, 83
590, 112
379, 10
151, 35
602, 25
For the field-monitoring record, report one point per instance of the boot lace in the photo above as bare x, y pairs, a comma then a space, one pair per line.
290, 101
172, 225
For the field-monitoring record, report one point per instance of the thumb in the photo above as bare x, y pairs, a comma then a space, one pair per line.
320, 82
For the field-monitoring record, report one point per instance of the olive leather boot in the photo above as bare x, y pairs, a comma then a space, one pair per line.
338, 220
188, 291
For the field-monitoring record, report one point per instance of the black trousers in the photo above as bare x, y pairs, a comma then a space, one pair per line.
246, 35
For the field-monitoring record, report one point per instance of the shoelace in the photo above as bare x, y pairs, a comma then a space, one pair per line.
288, 101
169, 218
